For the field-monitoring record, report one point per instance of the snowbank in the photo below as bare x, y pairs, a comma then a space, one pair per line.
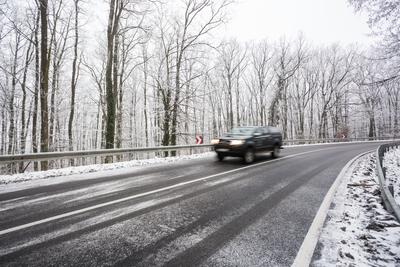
358, 230
28, 176
391, 162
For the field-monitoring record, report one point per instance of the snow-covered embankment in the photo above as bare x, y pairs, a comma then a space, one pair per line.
358, 230
68, 171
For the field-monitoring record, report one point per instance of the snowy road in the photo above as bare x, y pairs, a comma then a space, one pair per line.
198, 212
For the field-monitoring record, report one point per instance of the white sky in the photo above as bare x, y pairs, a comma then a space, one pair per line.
321, 21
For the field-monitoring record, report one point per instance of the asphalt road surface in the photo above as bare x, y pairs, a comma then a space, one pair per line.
192, 213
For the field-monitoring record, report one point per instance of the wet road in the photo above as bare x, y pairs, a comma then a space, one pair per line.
192, 213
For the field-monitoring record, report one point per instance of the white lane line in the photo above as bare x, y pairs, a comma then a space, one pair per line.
176, 177
71, 213
306, 251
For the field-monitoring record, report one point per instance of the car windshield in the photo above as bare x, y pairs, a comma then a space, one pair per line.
242, 131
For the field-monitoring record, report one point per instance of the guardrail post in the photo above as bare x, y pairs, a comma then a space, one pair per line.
27, 165
390, 187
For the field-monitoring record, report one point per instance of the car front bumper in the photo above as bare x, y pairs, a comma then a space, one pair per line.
229, 150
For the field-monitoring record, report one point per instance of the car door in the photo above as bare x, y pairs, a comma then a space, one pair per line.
268, 144
259, 138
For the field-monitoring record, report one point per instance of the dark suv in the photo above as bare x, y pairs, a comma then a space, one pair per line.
246, 141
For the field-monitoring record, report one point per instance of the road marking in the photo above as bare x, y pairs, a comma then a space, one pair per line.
71, 213
176, 177
306, 251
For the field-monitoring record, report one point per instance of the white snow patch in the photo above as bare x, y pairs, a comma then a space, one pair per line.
359, 231
391, 162
22, 177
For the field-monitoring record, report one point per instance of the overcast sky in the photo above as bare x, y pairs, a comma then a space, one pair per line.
321, 21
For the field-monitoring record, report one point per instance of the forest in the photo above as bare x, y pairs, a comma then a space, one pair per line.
90, 74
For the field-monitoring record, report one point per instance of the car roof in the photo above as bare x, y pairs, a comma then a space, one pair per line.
249, 126
270, 128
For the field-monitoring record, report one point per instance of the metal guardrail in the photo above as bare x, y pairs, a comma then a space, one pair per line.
52, 156
336, 140
4, 159
387, 195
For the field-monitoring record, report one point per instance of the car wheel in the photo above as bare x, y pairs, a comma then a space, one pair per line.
275, 153
249, 156
220, 157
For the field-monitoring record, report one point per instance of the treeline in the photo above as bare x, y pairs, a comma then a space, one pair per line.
157, 74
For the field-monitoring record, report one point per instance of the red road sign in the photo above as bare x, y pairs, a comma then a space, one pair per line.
199, 139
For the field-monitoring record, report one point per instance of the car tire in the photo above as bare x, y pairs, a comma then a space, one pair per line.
249, 156
220, 157
276, 152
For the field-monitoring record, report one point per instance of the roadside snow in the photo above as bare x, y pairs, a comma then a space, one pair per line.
358, 230
391, 162
28, 176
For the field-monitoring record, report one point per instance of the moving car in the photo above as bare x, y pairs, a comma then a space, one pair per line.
246, 141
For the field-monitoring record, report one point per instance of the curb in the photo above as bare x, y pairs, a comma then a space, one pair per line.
306, 251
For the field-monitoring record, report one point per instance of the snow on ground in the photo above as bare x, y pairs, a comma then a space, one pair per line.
392, 163
28, 176
358, 230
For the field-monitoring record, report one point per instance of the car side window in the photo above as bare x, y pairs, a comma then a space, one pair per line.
274, 129
259, 131
266, 130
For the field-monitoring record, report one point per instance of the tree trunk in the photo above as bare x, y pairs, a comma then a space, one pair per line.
396, 116
131, 118
3, 130
74, 80
311, 120
371, 130
110, 94
238, 100
230, 116
175, 107
11, 130
273, 110
145, 70
52, 106
285, 113
36, 93
24, 127
166, 125
44, 83
117, 93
